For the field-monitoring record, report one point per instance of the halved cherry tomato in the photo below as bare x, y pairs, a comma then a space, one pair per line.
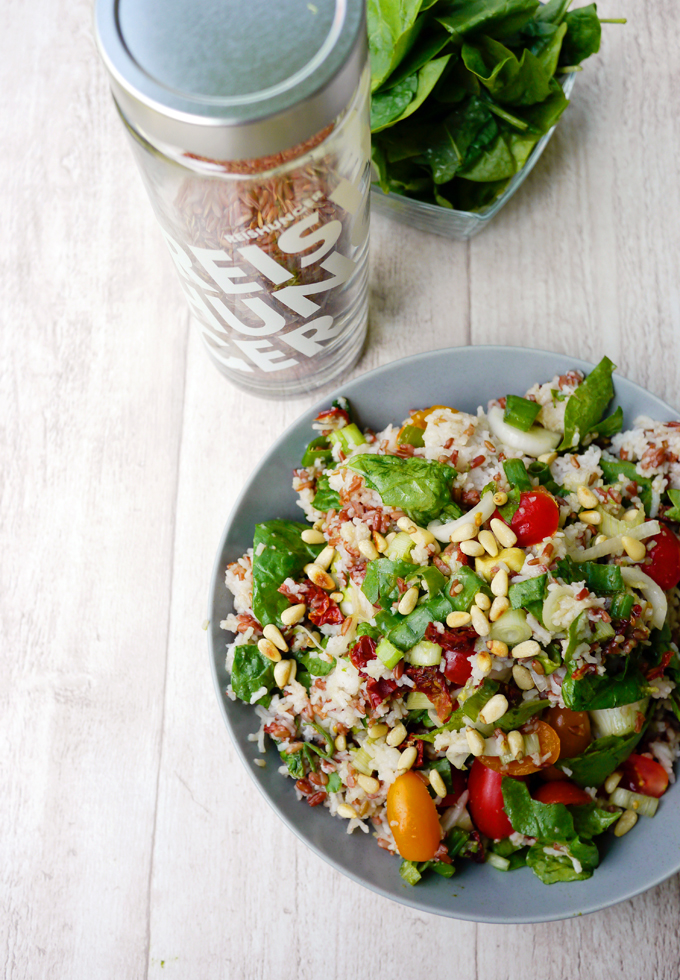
457, 667
549, 746
486, 803
536, 518
573, 730
663, 558
412, 815
643, 775
562, 792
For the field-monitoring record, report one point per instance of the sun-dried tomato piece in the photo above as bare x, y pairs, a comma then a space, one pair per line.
362, 652
430, 681
379, 690
321, 609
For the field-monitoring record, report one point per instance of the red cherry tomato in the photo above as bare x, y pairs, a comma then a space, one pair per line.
536, 518
457, 667
562, 792
663, 558
643, 775
486, 802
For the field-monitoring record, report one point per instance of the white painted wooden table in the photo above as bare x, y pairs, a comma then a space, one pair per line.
133, 843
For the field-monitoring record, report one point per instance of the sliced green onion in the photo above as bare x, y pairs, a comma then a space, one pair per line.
417, 701
617, 721
512, 628
388, 653
516, 472
602, 631
531, 590
317, 449
498, 862
412, 435
520, 412
424, 654
362, 762
622, 606
532, 744
348, 438
646, 805
409, 872
400, 547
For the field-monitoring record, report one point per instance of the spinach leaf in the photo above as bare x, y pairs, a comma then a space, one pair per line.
583, 35
469, 709
318, 449
419, 487
591, 820
380, 584
499, 18
315, 665
391, 33
387, 106
674, 513
251, 671
600, 579
334, 784
600, 759
592, 692
611, 425
511, 81
614, 469
531, 590
325, 498
551, 868
550, 822
278, 553
515, 717
587, 405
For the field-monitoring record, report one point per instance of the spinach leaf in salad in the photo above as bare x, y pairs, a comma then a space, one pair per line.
517, 716
615, 469
673, 513
419, 487
593, 691
250, 672
380, 585
325, 498
575, 861
587, 405
278, 553
314, 664
591, 819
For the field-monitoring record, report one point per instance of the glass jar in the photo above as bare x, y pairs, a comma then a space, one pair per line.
258, 172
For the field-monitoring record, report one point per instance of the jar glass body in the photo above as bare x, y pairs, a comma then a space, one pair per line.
272, 254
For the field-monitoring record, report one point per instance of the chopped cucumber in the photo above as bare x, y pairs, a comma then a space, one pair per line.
617, 721
424, 654
646, 805
400, 547
388, 653
417, 701
512, 628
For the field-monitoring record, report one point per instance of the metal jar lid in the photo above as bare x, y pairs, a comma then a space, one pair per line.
231, 79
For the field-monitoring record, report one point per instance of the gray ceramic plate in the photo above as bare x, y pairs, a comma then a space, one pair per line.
464, 377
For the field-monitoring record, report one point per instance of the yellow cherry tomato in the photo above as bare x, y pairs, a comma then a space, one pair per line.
417, 419
549, 747
412, 815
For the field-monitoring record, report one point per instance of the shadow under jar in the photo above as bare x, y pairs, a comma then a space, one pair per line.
250, 125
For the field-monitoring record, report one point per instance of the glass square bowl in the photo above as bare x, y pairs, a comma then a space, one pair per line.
460, 225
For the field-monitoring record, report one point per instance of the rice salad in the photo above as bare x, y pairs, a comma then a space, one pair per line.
469, 645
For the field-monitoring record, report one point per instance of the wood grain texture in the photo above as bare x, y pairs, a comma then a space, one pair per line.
134, 844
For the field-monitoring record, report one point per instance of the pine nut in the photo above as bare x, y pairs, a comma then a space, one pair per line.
319, 577
500, 583
437, 783
479, 621
396, 736
406, 524
590, 517
377, 731
368, 549
631, 514
505, 535
369, 784
423, 537
494, 709
482, 601
484, 663
325, 557
500, 605
380, 542
612, 781
311, 536
281, 673
586, 497
260, 762
408, 601
390, 537
274, 634
267, 649
408, 757
497, 648
337, 596
522, 677
489, 543
464, 532
500, 498
634, 549
346, 811
529, 648
516, 744
547, 458
292, 671
293, 614
317, 525
625, 823
600, 538
472, 548
475, 741
340, 743
456, 619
